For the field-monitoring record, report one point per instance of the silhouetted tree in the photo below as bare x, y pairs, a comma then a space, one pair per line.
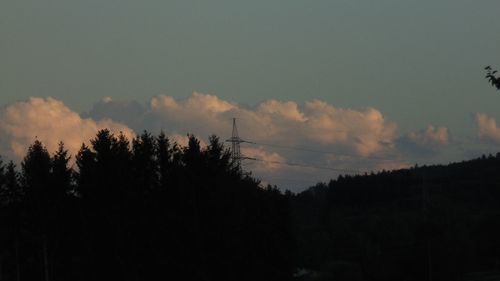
36, 168
192, 156
61, 174
121, 173
36, 173
86, 176
218, 157
164, 156
11, 190
2, 179
492, 77
107, 152
145, 164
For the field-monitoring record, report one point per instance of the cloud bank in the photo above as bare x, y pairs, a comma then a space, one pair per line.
275, 127
319, 139
362, 132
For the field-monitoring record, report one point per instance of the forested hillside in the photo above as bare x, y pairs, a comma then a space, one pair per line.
423, 223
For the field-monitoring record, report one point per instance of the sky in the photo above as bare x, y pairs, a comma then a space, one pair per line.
337, 86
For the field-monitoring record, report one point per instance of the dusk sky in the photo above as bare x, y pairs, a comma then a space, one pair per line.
350, 85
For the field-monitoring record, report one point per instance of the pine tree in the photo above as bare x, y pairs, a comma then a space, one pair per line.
218, 158
61, 173
121, 171
192, 156
145, 163
164, 156
106, 148
2, 182
13, 189
86, 175
36, 168
36, 173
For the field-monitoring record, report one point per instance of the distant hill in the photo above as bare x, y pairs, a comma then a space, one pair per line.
437, 222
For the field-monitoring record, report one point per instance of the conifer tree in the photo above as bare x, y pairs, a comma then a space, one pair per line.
86, 175
164, 158
106, 149
13, 191
36, 173
36, 168
61, 173
120, 171
2, 181
192, 156
218, 157
144, 162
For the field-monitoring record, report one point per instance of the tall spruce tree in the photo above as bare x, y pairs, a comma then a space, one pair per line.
164, 158
2, 182
36, 168
61, 174
144, 163
86, 176
13, 192
105, 146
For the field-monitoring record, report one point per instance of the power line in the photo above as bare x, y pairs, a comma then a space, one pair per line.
308, 166
306, 149
236, 155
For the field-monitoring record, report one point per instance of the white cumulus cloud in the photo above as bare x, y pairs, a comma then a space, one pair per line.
49, 121
363, 132
274, 127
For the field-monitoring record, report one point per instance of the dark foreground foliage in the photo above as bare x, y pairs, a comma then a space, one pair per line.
492, 77
425, 223
145, 210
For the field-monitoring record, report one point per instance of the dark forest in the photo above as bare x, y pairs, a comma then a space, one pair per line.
145, 210
149, 209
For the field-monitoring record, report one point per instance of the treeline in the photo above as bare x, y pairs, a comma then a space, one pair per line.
424, 223
141, 209
149, 209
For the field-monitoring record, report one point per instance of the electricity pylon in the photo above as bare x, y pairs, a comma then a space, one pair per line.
235, 141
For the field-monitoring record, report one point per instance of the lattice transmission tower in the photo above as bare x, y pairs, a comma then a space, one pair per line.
235, 141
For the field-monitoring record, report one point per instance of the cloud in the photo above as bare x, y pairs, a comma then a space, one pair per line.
49, 121
269, 161
424, 143
276, 127
363, 132
126, 112
286, 110
488, 129
311, 134
432, 136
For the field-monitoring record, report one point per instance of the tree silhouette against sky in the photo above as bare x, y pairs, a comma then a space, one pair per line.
492, 77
